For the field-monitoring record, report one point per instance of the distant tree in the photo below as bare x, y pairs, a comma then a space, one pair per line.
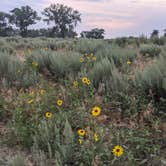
23, 17
155, 33
64, 18
94, 33
164, 32
5, 28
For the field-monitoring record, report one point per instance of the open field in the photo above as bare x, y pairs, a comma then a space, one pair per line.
70, 102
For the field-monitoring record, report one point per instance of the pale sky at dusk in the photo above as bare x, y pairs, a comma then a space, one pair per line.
117, 17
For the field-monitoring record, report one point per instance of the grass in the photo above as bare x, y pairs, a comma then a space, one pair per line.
130, 105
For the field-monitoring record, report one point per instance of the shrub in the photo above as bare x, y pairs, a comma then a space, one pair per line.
14, 73
119, 55
57, 139
150, 50
89, 46
59, 64
153, 78
106, 72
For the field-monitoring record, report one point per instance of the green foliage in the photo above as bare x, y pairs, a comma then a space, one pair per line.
104, 72
127, 110
155, 33
17, 161
5, 29
23, 17
153, 78
56, 138
64, 18
14, 73
150, 50
120, 56
59, 64
89, 45
159, 41
95, 33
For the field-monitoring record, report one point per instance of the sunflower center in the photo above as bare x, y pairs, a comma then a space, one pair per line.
118, 150
96, 110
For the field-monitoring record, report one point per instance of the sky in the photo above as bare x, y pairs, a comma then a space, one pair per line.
118, 17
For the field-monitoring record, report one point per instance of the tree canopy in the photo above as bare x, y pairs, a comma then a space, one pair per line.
95, 33
23, 17
64, 18
5, 28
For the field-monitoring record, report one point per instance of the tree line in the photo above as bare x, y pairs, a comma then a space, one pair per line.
63, 18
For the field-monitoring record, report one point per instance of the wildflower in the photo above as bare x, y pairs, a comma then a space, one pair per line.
96, 137
81, 60
42, 91
91, 55
96, 111
118, 151
84, 80
34, 63
32, 92
30, 101
81, 132
88, 82
29, 51
128, 62
94, 58
48, 114
75, 83
80, 141
59, 102
18, 71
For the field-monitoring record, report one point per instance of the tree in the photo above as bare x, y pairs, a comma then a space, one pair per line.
164, 32
64, 18
5, 29
94, 33
23, 17
155, 33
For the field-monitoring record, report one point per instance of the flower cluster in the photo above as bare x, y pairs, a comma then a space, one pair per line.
86, 56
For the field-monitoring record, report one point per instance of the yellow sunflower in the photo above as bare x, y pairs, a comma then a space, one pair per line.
88, 82
94, 58
30, 101
91, 55
59, 102
84, 80
96, 111
81, 60
128, 62
34, 63
96, 137
32, 92
48, 114
81, 132
42, 91
118, 151
75, 83
80, 141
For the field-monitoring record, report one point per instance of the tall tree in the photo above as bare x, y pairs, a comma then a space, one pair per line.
64, 18
164, 32
95, 33
24, 17
155, 33
5, 28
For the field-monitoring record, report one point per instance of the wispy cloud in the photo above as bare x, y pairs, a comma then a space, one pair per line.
117, 17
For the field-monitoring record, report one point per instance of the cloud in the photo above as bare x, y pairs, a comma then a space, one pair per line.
118, 17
